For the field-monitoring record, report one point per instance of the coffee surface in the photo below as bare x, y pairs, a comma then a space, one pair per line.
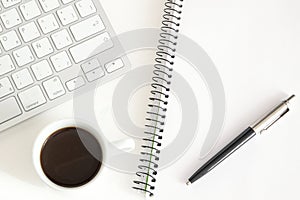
71, 157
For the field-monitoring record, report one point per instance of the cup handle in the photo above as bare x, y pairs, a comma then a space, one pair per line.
126, 145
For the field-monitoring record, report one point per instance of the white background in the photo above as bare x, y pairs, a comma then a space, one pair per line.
255, 46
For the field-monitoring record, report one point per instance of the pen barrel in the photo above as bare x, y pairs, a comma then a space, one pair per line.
234, 145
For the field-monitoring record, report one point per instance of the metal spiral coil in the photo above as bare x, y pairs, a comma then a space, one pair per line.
161, 81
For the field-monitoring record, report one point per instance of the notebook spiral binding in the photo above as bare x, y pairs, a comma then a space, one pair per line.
161, 81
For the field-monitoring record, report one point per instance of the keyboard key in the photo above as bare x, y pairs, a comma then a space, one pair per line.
30, 10
91, 47
10, 18
9, 3
90, 65
61, 39
29, 32
67, 15
87, 28
42, 47
66, 1
48, 23
36, 41
49, 5
54, 88
22, 79
6, 65
85, 8
23, 56
75, 83
61, 61
114, 65
9, 109
32, 98
10, 40
6, 87
94, 75
41, 70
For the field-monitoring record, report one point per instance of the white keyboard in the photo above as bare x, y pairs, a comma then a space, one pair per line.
48, 50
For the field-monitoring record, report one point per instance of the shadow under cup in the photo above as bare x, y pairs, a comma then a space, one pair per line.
71, 157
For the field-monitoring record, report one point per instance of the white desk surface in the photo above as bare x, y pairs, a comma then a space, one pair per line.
255, 46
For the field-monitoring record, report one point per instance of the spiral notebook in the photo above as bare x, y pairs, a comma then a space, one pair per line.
158, 101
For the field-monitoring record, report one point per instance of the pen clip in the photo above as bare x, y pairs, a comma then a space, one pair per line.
272, 117
276, 119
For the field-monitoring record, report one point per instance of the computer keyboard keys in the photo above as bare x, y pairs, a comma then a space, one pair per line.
91, 47
49, 5
9, 3
29, 32
10, 40
42, 47
6, 65
66, 1
75, 83
85, 8
41, 70
90, 65
23, 56
32, 98
95, 74
48, 49
10, 18
30, 10
48, 23
61, 39
67, 15
61, 61
22, 79
54, 88
6, 87
87, 28
114, 65
9, 109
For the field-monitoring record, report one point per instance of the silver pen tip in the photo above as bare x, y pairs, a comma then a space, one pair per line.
188, 183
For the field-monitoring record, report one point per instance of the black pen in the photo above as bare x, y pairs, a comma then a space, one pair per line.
262, 125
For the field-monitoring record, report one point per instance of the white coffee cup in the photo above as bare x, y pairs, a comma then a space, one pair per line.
125, 145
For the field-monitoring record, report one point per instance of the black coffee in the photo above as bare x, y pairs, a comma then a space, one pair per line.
71, 157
